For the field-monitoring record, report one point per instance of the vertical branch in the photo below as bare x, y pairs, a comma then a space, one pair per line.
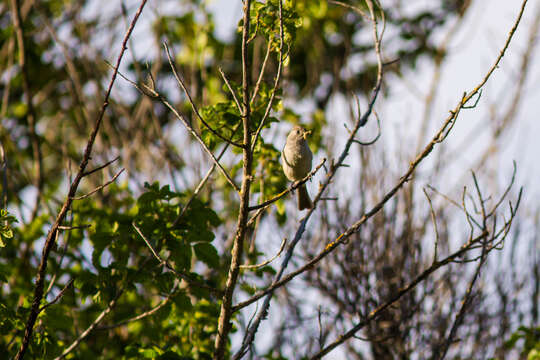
31, 116
51, 236
224, 322
360, 121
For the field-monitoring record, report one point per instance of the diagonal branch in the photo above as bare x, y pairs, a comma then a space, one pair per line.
293, 187
89, 329
51, 236
152, 93
99, 187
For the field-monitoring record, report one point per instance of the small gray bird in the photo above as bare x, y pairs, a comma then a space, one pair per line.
296, 161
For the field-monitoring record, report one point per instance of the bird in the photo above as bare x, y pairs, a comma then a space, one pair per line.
296, 160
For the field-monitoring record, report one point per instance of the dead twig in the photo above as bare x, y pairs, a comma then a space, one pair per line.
99, 187
257, 266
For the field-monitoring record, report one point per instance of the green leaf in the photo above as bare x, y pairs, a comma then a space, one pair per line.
169, 355
207, 253
182, 302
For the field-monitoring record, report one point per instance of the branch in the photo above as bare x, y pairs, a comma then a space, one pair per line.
374, 313
143, 315
59, 296
99, 187
193, 107
283, 243
89, 329
201, 183
276, 80
464, 306
293, 187
89, 172
152, 93
180, 275
231, 90
51, 236
225, 313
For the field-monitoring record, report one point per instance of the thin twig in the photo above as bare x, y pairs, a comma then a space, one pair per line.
434, 221
193, 106
264, 263
59, 296
144, 314
276, 80
202, 183
89, 329
441, 353
89, 172
261, 73
152, 93
78, 227
99, 187
293, 187
231, 90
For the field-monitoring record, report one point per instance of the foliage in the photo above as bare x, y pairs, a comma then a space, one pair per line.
531, 342
5, 228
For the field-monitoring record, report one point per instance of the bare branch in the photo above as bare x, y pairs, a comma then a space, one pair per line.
144, 314
99, 187
434, 221
152, 93
293, 187
283, 243
89, 172
233, 93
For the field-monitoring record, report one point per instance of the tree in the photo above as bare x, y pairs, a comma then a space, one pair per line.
148, 189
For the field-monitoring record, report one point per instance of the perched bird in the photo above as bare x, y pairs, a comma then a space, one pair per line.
296, 161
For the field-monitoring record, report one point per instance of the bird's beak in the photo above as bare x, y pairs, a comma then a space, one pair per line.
306, 133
